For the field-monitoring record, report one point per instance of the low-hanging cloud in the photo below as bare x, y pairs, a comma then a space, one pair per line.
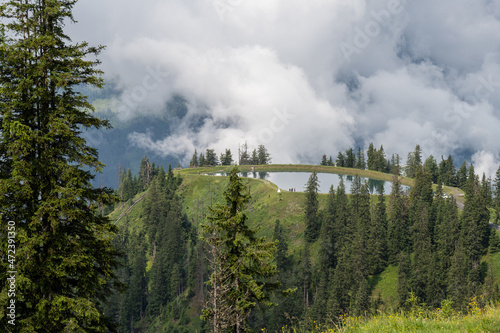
275, 72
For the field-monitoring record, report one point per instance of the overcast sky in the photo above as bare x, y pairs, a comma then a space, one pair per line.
307, 77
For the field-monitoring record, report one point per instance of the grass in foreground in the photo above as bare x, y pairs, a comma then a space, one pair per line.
443, 319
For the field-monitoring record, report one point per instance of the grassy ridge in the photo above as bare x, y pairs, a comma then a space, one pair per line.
302, 168
265, 207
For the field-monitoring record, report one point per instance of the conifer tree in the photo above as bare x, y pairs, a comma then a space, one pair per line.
342, 233
145, 173
360, 159
371, 156
462, 175
404, 279
244, 157
486, 191
64, 254
202, 161
397, 212
350, 158
447, 235
340, 287
281, 254
327, 235
194, 160
340, 162
211, 158
136, 302
496, 191
494, 242
311, 208
359, 256
422, 254
226, 158
381, 164
474, 222
414, 162
263, 155
327, 255
458, 287
377, 237
241, 262
255, 157
395, 165
431, 166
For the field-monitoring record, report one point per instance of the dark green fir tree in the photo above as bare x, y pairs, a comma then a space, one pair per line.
311, 208
64, 252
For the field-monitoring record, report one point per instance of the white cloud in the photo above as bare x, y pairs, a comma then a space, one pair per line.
420, 78
485, 162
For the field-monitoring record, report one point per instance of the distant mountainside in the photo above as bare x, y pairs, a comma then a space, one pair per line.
114, 147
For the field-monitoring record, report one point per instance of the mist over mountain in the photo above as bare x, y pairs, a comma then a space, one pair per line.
302, 78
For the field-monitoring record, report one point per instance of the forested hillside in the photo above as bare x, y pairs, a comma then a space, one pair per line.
355, 254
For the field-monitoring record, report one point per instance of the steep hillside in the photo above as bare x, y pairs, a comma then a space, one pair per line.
198, 191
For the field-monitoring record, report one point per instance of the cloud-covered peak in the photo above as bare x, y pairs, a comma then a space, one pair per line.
306, 78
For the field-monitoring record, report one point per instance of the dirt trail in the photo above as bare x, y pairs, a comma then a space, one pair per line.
460, 203
456, 194
129, 208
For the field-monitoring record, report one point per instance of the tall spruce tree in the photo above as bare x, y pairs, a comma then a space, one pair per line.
371, 156
397, 216
263, 154
474, 222
64, 255
358, 247
194, 160
350, 158
431, 166
311, 208
462, 175
377, 237
360, 159
327, 255
341, 230
340, 161
241, 262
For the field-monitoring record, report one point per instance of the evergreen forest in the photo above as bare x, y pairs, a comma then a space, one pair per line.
350, 254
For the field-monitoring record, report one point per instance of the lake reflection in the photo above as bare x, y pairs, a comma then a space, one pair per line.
297, 181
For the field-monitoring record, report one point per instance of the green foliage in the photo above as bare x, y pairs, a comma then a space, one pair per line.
397, 222
447, 171
226, 158
241, 262
360, 160
340, 162
345, 269
377, 237
194, 160
64, 252
263, 155
496, 192
462, 176
350, 158
211, 158
311, 208
494, 242
414, 162
432, 168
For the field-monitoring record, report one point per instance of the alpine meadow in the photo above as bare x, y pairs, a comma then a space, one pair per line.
249, 166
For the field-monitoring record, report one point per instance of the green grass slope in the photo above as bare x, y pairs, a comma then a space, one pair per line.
199, 191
